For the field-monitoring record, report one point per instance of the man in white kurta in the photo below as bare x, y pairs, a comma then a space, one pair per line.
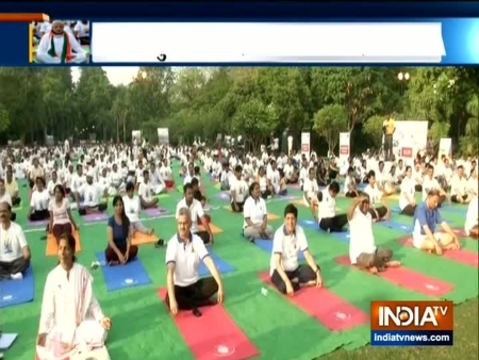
71, 314
60, 47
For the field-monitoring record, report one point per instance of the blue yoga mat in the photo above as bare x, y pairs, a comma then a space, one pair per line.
123, 276
17, 292
7, 340
391, 224
313, 225
267, 246
222, 266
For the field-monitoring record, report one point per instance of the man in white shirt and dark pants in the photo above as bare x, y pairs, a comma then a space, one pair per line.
286, 273
14, 251
363, 251
186, 290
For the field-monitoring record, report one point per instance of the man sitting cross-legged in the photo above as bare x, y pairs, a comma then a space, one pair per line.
363, 251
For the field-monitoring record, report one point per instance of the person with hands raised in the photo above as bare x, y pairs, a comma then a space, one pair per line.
286, 273
185, 289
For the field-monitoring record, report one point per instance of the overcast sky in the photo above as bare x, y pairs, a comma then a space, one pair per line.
118, 75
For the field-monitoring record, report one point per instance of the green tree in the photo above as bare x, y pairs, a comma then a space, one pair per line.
329, 122
373, 129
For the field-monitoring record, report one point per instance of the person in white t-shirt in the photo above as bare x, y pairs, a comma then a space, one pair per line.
39, 202
460, 187
310, 191
255, 225
184, 252
290, 173
146, 192
132, 206
239, 191
198, 216
363, 251
471, 226
326, 216
350, 185
430, 183
15, 253
61, 219
264, 184
376, 197
92, 193
285, 271
407, 201
5, 197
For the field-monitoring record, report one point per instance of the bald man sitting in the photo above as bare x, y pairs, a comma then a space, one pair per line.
185, 250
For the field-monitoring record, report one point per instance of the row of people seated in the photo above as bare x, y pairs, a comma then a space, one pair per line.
185, 250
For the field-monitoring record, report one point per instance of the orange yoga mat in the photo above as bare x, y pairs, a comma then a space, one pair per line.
141, 239
214, 229
52, 247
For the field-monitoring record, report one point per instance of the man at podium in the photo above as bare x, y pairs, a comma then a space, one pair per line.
60, 47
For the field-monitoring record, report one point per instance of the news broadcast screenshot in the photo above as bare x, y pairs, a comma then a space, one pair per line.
239, 180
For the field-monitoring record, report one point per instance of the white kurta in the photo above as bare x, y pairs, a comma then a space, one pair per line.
43, 57
70, 312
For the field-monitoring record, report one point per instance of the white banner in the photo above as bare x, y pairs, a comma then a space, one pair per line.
409, 138
267, 42
445, 147
163, 136
306, 144
344, 150
136, 137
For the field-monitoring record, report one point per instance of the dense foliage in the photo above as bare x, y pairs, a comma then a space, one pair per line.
252, 102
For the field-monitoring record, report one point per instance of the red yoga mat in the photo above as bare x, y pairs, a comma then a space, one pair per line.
462, 256
408, 279
329, 309
213, 335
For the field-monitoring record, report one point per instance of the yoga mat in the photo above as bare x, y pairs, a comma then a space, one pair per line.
52, 246
17, 292
342, 236
217, 186
462, 256
224, 195
123, 276
162, 196
329, 309
214, 335
408, 279
267, 245
95, 217
141, 239
180, 188
38, 224
222, 266
7, 340
214, 229
156, 211
397, 226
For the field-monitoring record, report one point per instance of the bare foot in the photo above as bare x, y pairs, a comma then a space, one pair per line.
373, 270
393, 263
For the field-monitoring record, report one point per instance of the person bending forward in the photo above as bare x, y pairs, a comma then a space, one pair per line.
286, 273
186, 290
363, 251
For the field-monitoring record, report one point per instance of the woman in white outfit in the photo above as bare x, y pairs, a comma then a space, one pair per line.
71, 318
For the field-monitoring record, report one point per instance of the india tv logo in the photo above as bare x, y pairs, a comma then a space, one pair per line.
412, 323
